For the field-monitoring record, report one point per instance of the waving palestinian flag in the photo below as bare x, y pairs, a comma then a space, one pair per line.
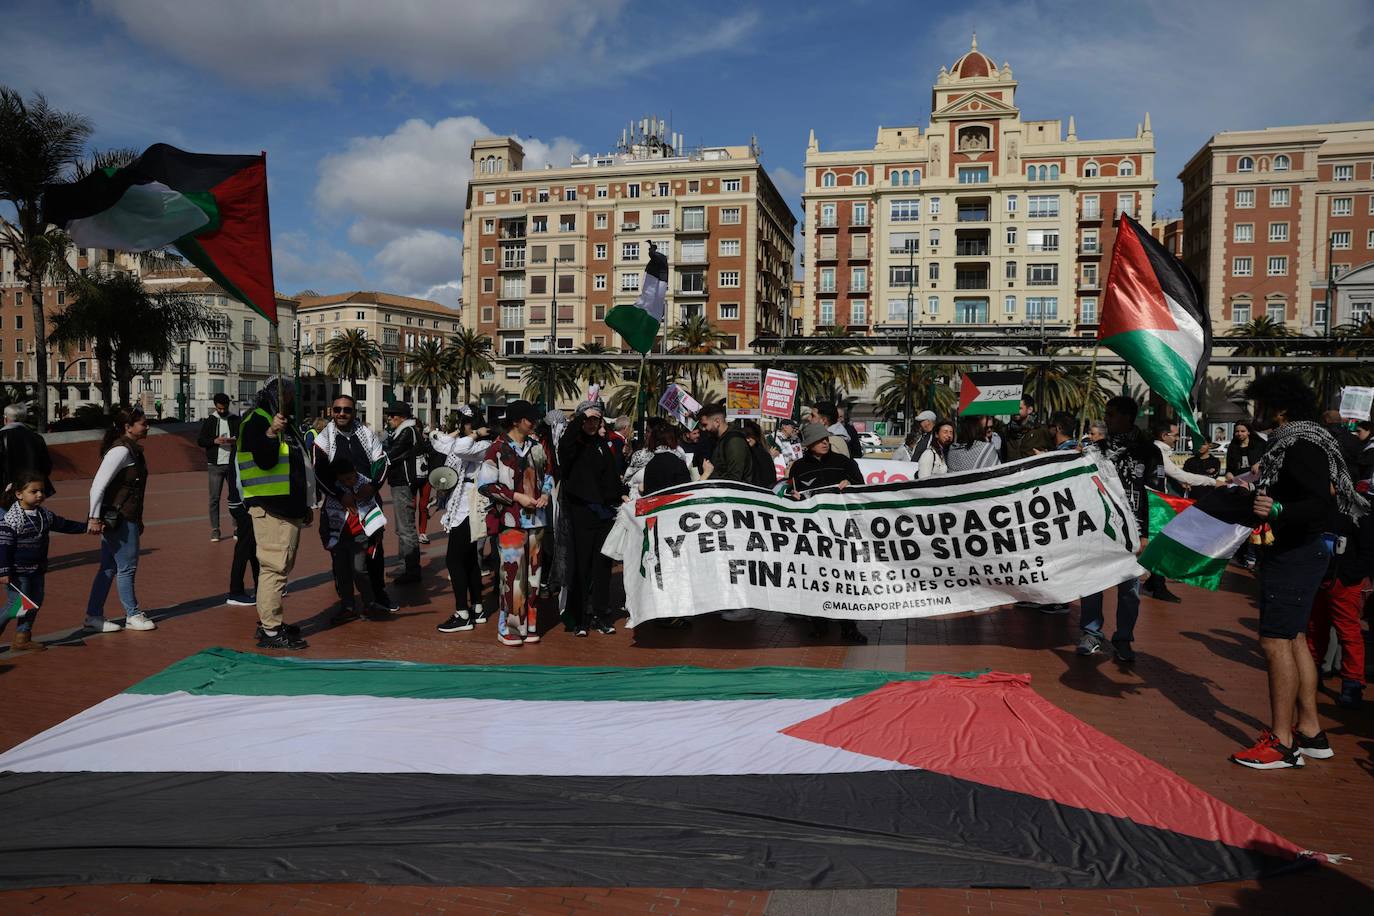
235, 767
212, 209
639, 323
1154, 317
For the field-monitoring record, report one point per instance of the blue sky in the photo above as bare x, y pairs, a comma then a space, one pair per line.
366, 108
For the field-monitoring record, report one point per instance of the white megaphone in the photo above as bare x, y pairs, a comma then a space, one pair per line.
443, 478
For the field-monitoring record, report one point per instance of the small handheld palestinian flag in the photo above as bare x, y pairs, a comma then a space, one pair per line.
639, 323
1163, 509
1194, 547
1154, 317
17, 605
212, 209
990, 394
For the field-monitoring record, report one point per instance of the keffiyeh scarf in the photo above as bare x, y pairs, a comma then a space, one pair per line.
1350, 503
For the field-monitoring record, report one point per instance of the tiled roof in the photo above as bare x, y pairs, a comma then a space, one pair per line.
365, 297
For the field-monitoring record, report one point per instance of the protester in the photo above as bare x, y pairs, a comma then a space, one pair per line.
1025, 436
424, 498
973, 448
463, 452
1167, 473
934, 460
639, 460
278, 489
1134, 460
1244, 451
669, 467
818, 468
514, 477
245, 549
919, 439
785, 443
217, 435
403, 450
24, 536
1203, 462
1097, 431
116, 514
1340, 604
313, 433
346, 433
1303, 483
827, 414
765, 469
732, 459
23, 450
618, 434
1363, 467
700, 443
1061, 429
851, 433
1340, 429
591, 492
351, 525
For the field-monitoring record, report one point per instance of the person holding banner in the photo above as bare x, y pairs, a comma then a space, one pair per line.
934, 459
351, 531
974, 448
24, 531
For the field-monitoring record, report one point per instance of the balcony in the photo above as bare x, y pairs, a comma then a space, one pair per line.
1089, 249
141, 367
511, 319
859, 222
859, 254
827, 254
1049, 246
693, 227
971, 249
629, 227
251, 340
218, 334
512, 232
691, 291
513, 264
1090, 215
973, 214
1054, 281
218, 365
970, 280
1087, 283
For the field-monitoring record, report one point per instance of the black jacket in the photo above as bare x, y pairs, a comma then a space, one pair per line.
1304, 490
588, 466
1241, 458
1209, 466
1136, 460
209, 429
265, 455
22, 449
1357, 563
810, 472
733, 459
404, 449
665, 470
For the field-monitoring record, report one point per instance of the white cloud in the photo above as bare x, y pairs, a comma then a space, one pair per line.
415, 177
444, 294
789, 185
420, 259
301, 261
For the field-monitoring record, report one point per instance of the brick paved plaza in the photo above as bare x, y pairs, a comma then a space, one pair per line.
1196, 693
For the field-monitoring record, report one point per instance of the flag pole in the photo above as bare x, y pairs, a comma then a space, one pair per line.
1088, 395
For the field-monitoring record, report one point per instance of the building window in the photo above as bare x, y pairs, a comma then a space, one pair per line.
729, 248
858, 311
599, 281
517, 196
976, 175
1240, 313
1278, 267
828, 180
1042, 274
570, 193
603, 220
858, 279
1011, 235
1087, 310
629, 282
1246, 164
1011, 203
935, 238
632, 189
861, 178
1242, 267
629, 251
1369, 239
659, 220
1090, 170
1126, 168
1042, 239
1276, 312
904, 211
1009, 305
1278, 232
1042, 308
1360, 311
901, 275
488, 226
934, 206
859, 214
1282, 163
488, 197
933, 305
538, 286
1341, 240
729, 279
1125, 203
729, 311
664, 190
1090, 276
827, 280
1090, 241
1243, 232
488, 255
1245, 198
599, 252
896, 310
933, 271
1279, 197
729, 216
1342, 206
827, 215
1011, 270
1043, 206
567, 222
539, 224
1344, 173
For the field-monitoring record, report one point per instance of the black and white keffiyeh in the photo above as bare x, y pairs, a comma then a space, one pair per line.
1350, 503
328, 441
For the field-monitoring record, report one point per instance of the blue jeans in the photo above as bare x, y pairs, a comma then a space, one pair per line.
118, 563
31, 584
1127, 611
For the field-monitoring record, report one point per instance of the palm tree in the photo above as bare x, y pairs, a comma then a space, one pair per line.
125, 319
352, 355
547, 384
491, 394
624, 401
697, 336
39, 145
825, 381
596, 371
1064, 387
430, 367
470, 353
928, 382
1262, 327
1327, 381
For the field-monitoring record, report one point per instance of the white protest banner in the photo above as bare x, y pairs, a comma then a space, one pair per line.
779, 393
742, 397
1046, 529
875, 470
1356, 403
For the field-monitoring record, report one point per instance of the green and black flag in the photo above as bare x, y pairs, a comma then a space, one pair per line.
212, 209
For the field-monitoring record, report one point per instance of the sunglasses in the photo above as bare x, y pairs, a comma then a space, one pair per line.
343, 410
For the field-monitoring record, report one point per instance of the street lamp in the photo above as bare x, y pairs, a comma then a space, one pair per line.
910, 305
553, 330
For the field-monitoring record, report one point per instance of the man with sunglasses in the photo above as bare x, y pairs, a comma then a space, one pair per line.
346, 433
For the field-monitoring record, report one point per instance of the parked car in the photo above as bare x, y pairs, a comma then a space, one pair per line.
871, 442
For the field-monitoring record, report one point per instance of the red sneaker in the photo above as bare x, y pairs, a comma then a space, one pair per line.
1268, 754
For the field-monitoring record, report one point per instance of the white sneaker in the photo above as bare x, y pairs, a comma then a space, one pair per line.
139, 622
105, 626
739, 616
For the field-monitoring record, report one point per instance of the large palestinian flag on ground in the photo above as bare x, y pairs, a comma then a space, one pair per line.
231, 767
212, 209
1154, 317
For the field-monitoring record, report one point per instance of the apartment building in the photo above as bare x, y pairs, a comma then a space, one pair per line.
979, 219
1275, 217
398, 324
579, 235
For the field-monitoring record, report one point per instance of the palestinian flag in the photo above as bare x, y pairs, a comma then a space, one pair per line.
212, 209
990, 394
1154, 317
1163, 509
639, 323
17, 605
231, 767
1195, 546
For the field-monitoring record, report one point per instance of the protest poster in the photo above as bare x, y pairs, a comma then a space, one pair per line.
1045, 529
679, 404
742, 394
990, 394
1356, 403
779, 393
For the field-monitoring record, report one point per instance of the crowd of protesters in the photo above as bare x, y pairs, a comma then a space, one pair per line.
529, 500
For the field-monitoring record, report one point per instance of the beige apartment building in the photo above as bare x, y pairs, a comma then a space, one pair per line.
1273, 216
580, 235
398, 324
982, 219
